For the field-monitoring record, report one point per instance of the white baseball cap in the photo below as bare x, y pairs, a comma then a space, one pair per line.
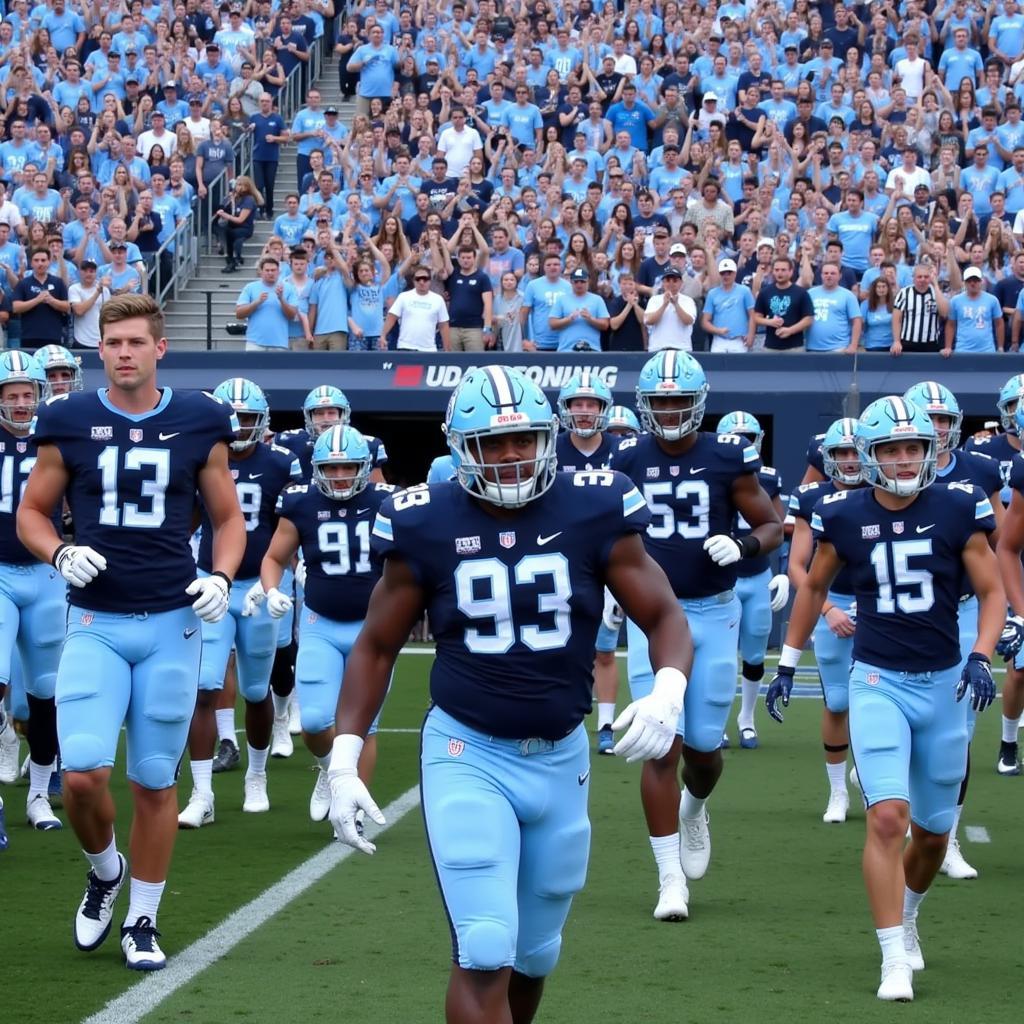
972, 274
677, 250
710, 97
725, 265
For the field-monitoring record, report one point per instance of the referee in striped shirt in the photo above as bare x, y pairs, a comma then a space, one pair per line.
917, 315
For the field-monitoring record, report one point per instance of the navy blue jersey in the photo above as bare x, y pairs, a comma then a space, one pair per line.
690, 498
514, 603
17, 457
301, 445
771, 483
132, 490
572, 460
335, 541
259, 480
907, 568
814, 457
974, 467
802, 503
997, 447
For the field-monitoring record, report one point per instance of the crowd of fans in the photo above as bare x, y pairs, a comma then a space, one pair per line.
539, 174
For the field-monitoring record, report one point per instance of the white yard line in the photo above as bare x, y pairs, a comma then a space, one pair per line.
977, 834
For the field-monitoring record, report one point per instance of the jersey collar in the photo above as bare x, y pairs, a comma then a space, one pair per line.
133, 416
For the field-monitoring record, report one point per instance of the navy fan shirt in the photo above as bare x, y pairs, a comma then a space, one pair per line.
802, 503
301, 445
335, 540
690, 498
17, 457
259, 480
571, 460
514, 603
906, 569
132, 490
998, 448
771, 483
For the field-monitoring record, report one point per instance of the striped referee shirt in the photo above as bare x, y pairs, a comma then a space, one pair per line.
919, 330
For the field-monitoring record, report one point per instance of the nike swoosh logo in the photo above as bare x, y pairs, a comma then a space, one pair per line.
189, 633
698, 469
583, 776
541, 541
360, 511
255, 476
924, 529
167, 437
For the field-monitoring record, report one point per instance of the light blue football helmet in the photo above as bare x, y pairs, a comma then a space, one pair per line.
841, 434
441, 470
17, 367
672, 374
895, 419
325, 397
937, 400
341, 446
251, 407
1010, 394
494, 400
56, 358
744, 424
622, 421
585, 384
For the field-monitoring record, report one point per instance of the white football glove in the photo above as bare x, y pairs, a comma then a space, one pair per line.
613, 615
349, 795
278, 603
722, 549
652, 719
778, 591
300, 573
254, 597
211, 597
78, 565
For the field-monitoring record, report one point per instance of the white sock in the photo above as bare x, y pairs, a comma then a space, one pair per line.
106, 864
39, 777
748, 701
956, 820
226, 725
690, 806
666, 855
202, 777
605, 714
1010, 727
324, 762
145, 901
836, 776
257, 760
891, 941
911, 903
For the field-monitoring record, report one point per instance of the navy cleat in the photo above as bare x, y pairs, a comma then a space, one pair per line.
748, 738
4, 841
141, 950
226, 758
725, 741
92, 922
1008, 763
55, 790
605, 740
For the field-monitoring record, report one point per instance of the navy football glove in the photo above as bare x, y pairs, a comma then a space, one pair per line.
779, 689
1012, 638
977, 677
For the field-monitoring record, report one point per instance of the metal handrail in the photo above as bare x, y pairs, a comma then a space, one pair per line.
217, 190
183, 259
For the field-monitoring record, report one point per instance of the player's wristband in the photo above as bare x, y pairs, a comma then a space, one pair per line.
345, 752
60, 550
978, 656
224, 576
789, 658
750, 546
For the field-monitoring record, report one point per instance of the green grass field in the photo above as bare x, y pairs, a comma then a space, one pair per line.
779, 929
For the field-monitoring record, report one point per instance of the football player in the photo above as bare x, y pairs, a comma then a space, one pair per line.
583, 406
759, 591
833, 633
906, 542
511, 561
694, 484
815, 471
261, 472
63, 372
330, 520
32, 603
130, 459
971, 467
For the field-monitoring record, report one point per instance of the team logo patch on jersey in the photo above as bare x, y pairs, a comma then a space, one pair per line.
673, 470
872, 532
455, 747
872, 678
22, 446
234, 474
507, 539
101, 433
135, 435
653, 472
897, 527
324, 513
467, 545
86, 619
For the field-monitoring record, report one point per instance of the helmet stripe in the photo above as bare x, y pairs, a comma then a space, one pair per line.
669, 365
900, 408
502, 385
934, 391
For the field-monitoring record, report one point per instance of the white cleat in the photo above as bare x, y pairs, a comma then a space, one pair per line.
281, 744
320, 800
92, 920
954, 865
198, 812
40, 815
256, 799
294, 719
141, 950
694, 845
838, 806
897, 983
912, 945
673, 897
10, 747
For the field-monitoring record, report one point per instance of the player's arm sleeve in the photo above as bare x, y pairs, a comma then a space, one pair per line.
47, 425
983, 518
396, 533
624, 509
